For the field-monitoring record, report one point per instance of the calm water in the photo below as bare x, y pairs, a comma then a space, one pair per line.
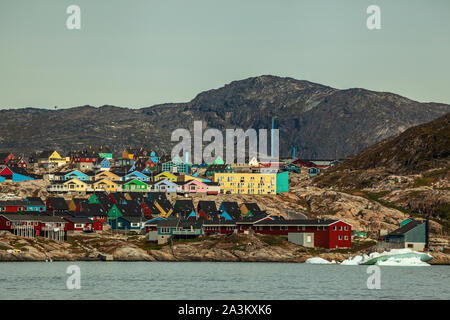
194, 280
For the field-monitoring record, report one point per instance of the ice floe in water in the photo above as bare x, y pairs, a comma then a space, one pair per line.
394, 257
318, 260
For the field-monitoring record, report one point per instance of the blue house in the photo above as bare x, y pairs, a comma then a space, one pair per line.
147, 171
105, 164
165, 186
136, 175
16, 177
412, 235
35, 204
127, 223
313, 172
76, 174
230, 210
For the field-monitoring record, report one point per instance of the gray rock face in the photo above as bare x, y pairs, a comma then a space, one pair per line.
320, 121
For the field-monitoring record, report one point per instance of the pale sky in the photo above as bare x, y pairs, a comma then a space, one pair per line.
138, 53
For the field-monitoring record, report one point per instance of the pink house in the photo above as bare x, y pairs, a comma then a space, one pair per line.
194, 186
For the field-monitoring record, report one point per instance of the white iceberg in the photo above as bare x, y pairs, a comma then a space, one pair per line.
317, 260
394, 257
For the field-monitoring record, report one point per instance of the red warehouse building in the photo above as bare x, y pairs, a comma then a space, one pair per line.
329, 234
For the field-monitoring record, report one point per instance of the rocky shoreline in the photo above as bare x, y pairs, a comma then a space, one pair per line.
235, 248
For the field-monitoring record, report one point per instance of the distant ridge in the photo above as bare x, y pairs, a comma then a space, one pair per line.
320, 121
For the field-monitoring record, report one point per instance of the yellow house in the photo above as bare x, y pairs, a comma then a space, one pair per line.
56, 158
106, 175
165, 175
105, 185
247, 183
75, 185
186, 178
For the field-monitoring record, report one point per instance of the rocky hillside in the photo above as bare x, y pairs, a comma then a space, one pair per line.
322, 122
409, 173
418, 149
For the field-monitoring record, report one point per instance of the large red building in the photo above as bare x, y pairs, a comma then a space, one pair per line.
329, 234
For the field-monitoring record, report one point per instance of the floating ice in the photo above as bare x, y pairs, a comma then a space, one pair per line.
394, 257
318, 260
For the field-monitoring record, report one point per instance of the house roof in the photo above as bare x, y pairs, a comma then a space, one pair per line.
184, 204
164, 203
180, 223
297, 222
209, 207
132, 208
35, 199
157, 195
79, 220
92, 210
407, 227
252, 206
119, 197
58, 203
132, 219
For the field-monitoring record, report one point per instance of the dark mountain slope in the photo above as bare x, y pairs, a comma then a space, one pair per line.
322, 122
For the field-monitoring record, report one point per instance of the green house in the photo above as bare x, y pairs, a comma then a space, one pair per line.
406, 221
282, 182
135, 185
93, 199
218, 161
114, 213
105, 155
219, 168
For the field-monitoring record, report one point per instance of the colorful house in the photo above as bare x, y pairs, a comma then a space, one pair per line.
105, 185
246, 183
165, 186
329, 234
103, 164
5, 157
108, 175
282, 181
193, 186
230, 210
165, 175
136, 175
76, 185
76, 174
134, 186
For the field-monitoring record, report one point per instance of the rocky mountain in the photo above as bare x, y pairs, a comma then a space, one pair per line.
320, 121
418, 149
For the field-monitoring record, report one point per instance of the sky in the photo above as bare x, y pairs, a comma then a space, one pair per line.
137, 53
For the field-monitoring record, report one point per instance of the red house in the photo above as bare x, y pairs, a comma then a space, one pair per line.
5, 157
82, 224
12, 206
221, 226
329, 234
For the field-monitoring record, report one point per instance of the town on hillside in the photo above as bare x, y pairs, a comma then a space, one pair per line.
94, 191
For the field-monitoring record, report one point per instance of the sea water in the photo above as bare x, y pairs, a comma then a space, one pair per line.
217, 280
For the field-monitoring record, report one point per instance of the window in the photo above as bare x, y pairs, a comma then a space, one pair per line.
334, 228
346, 228
346, 237
340, 237
340, 228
